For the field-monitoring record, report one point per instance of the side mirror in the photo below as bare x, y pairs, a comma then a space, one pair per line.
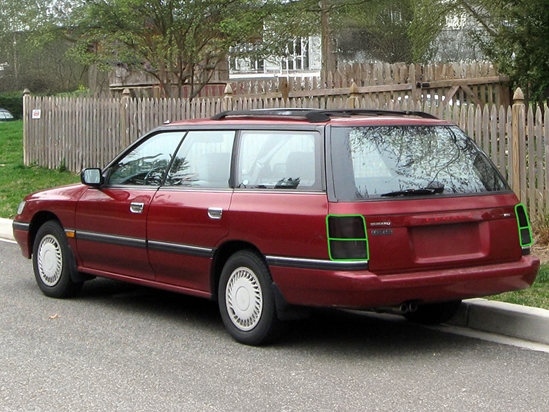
92, 177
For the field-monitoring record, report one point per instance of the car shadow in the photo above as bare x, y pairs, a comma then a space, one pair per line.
330, 330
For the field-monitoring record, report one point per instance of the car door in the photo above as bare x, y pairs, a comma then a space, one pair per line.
188, 216
111, 221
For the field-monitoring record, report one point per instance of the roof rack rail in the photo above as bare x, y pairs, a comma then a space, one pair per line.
318, 115
290, 112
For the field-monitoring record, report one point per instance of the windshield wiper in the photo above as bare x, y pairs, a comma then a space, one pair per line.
415, 192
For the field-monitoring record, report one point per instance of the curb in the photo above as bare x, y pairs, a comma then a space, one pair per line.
522, 322
6, 231
516, 321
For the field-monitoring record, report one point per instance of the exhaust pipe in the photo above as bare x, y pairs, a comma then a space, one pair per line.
401, 309
412, 306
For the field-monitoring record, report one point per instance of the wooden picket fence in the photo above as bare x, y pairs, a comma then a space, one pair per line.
476, 82
454, 83
75, 133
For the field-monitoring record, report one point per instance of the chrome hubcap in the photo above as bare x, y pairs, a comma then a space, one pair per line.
50, 260
244, 299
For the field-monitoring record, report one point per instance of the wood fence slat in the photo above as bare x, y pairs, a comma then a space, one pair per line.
546, 155
539, 169
502, 141
523, 160
530, 143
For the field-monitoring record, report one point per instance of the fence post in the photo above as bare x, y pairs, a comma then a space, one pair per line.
354, 96
228, 98
517, 133
26, 125
124, 123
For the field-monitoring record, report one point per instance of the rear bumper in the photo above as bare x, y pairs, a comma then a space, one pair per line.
364, 289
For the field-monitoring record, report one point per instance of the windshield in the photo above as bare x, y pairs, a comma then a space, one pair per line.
395, 161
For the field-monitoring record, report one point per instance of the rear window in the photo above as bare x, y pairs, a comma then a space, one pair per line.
396, 161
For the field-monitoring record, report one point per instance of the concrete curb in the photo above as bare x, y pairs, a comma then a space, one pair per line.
6, 231
522, 322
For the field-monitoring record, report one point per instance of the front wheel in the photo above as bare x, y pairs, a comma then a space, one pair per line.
434, 313
246, 301
53, 262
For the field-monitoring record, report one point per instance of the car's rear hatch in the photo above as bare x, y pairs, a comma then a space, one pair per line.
426, 196
431, 234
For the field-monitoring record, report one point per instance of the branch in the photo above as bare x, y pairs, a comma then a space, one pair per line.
476, 15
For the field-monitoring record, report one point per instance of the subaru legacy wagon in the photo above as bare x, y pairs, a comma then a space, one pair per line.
273, 212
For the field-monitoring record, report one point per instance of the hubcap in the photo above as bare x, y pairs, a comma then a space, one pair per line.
244, 299
50, 260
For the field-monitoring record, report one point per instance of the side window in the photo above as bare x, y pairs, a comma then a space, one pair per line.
279, 160
147, 163
203, 160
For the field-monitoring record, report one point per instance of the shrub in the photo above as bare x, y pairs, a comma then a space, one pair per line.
13, 102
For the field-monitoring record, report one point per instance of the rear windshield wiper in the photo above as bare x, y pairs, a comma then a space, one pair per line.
415, 192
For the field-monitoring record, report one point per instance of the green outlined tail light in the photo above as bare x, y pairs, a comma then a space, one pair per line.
347, 238
525, 231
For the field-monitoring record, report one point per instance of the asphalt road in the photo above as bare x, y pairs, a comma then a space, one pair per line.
120, 347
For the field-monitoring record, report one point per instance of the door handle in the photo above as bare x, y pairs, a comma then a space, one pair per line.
136, 207
215, 213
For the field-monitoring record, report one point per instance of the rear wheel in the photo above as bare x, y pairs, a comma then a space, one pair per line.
434, 313
53, 262
246, 301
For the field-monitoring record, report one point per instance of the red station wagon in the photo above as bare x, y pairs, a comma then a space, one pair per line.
272, 212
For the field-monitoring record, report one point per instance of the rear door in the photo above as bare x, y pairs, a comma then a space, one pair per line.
189, 215
279, 204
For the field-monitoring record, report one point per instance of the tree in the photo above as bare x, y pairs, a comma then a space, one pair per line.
32, 47
520, 45
430, 17
513, 34
15, 17
377, 30
382, 30
179, 42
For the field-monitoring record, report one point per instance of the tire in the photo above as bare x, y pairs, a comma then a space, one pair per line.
246, 300
434, 313
53, 262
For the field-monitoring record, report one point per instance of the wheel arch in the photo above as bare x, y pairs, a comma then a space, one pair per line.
222, 254
37, 221
284, 310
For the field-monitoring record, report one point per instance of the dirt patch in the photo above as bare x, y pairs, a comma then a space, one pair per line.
542, 252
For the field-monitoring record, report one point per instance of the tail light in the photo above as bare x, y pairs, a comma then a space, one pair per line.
525, 231
347, 238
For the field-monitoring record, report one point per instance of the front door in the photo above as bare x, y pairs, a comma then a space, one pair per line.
111, 222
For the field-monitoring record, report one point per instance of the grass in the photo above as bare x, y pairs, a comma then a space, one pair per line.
17, 180
536, 296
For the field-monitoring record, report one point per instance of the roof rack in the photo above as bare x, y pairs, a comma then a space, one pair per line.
318, 115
